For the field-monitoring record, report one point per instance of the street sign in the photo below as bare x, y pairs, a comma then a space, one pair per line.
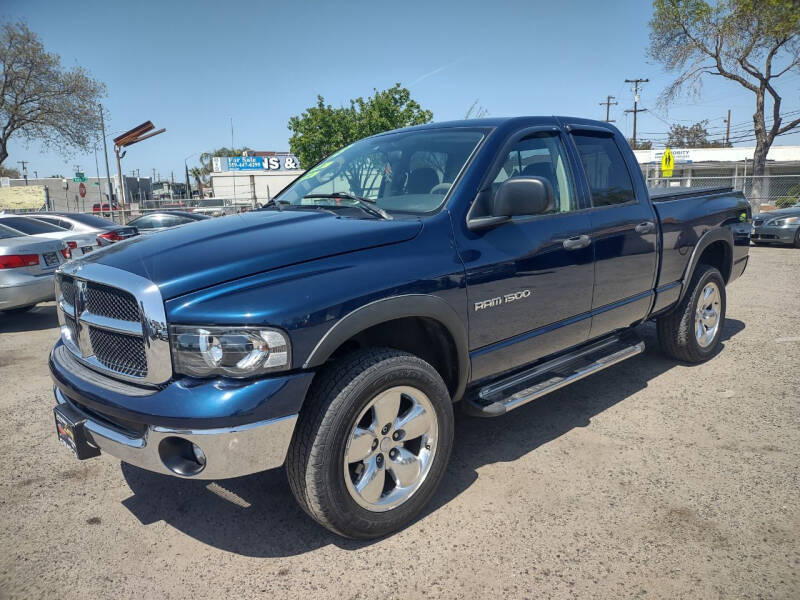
79, 179
667, 163
79, 175
82, 190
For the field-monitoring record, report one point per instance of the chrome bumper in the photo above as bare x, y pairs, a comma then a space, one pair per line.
230, 452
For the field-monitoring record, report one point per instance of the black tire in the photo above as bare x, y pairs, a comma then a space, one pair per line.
676, 330
760, 243
797, 239
314, 463
19, 309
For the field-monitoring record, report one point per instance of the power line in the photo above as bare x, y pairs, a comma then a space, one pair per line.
608, 104
635, 110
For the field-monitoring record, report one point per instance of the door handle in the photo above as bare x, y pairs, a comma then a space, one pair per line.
577, 242
645, 227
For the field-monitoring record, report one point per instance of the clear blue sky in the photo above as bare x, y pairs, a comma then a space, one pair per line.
192, 66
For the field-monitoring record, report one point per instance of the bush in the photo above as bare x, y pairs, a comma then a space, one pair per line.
791, 198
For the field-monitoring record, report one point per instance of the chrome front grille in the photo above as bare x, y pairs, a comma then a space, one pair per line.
114, 322
119, 352
110, 302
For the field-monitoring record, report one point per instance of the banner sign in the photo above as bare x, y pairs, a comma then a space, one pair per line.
679, 156
279, 162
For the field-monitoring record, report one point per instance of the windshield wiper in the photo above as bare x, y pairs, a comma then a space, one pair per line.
366, 204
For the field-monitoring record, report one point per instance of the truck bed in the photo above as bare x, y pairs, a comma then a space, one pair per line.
663, 194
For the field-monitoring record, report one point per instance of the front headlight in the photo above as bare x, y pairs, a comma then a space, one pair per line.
228, 351
785, 221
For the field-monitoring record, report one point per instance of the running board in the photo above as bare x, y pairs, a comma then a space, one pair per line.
505, 395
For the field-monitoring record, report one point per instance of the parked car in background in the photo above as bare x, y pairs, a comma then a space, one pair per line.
27, 264
105, 208
778, 227
156, 221
213, 207
78, 243
106, 232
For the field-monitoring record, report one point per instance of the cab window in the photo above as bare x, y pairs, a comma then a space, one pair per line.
606, 172
541, 155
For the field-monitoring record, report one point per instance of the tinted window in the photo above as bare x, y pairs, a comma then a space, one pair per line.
145, 222
91, 220
29, 226
541, 155
7, 232
54, 221
606, 171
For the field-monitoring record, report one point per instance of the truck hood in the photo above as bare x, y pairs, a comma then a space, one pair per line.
204, 253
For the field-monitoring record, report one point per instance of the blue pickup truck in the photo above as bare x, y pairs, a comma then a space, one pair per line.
484, 263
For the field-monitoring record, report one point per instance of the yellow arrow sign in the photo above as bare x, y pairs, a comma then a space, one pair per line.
667, 163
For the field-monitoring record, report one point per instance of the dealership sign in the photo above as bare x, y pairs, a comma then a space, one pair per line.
278, 162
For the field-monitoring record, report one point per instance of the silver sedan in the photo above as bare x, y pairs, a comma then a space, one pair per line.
27, 264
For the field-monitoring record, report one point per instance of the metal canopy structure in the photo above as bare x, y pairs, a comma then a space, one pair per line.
129, 138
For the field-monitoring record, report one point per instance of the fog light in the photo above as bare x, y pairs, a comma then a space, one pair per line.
181, 456
199, 455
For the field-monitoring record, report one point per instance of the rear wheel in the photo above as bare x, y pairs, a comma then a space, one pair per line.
372, 443
797, 238
693, 330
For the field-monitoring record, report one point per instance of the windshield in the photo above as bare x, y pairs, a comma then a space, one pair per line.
408, 172
30, 226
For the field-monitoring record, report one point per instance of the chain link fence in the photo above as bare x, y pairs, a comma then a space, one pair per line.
769, 190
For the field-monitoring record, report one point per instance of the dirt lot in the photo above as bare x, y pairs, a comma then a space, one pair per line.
652, 479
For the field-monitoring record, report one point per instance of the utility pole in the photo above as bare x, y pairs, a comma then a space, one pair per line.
24, 170
105, 155
608, 104
635, 110
728, 130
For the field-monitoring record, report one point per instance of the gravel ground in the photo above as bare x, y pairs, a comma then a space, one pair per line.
651, 479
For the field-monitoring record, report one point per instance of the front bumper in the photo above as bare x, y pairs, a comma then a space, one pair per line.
776, 235
242, 427
229, 452
27, 291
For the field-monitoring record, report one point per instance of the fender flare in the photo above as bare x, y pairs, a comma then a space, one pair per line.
723, 234
396, 307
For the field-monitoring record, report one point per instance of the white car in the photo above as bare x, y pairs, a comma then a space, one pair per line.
78, 243
27, 264
106, 232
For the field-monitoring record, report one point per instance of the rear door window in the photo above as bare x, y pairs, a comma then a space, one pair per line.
606, 172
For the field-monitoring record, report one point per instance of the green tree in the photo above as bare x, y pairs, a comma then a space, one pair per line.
691, 136
322, 129
198, 175
40, 100
750, 42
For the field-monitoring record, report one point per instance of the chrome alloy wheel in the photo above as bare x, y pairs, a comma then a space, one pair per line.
390, 448
707, 315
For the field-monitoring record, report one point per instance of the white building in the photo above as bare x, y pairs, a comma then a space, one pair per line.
708, 167
254, 178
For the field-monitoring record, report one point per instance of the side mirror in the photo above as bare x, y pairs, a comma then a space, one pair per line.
520, 196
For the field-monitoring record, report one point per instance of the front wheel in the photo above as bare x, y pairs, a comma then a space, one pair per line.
372, 442
693, 330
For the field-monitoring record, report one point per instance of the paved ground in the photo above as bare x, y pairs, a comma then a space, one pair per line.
651, 480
